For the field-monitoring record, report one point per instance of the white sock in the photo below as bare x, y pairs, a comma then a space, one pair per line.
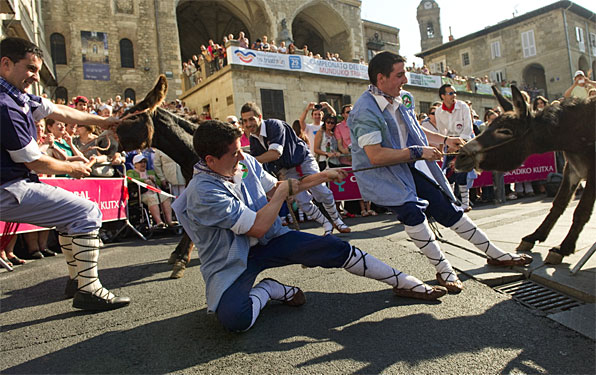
363, 264
259, 297
66, 246
315, 214
467, 230
331, 209
424, 239
465, 196
268, 289
85, 251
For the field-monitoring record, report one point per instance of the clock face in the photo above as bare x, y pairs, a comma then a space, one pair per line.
428, 5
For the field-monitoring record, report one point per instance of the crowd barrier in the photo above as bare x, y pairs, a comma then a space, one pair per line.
110, 195
535, 167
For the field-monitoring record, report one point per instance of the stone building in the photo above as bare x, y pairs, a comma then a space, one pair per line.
138, 39
22, 19
539, 51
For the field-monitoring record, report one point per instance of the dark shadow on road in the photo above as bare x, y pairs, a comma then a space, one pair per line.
195, 339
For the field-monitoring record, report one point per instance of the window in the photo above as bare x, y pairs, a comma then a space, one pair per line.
497, 76
272, 102
593, 44
579, 36
528, 45
127, 59
495, 49
430, 30
58, 48
465, 59
61, 93
130, 93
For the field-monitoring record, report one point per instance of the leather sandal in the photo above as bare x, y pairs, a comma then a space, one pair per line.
298, 299
431, 294
342, 228
454, 287
524, 259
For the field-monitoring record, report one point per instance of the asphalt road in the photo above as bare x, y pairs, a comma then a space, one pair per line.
349, 325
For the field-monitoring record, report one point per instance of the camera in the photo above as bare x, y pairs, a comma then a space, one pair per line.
318, 106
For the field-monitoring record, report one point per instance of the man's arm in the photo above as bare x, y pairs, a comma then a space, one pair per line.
48, 165
379, 155
267, 215
437, 138
266, 157
302, 118
69, 115
330, 108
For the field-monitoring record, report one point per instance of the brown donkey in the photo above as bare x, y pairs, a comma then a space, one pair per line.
155, 126
569, 127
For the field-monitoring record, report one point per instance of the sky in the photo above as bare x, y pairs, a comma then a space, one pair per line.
463, 16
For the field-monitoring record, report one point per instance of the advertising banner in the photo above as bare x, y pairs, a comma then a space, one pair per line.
108, 193
536, 167
261, 59
96, 62
347, 190
424, 80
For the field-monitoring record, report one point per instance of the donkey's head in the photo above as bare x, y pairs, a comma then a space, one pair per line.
136, 131
503, 146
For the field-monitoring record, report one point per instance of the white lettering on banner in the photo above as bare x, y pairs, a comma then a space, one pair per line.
519, 171
543, 169
82, 194
109, 205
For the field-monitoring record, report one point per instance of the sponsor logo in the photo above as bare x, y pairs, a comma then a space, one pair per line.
295, 62
245, 57
407, 100
243, 169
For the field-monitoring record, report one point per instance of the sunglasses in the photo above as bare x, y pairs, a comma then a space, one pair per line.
347, 112
432, 113
330, 122
452, 93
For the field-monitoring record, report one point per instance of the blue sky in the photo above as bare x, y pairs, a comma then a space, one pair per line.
463, 16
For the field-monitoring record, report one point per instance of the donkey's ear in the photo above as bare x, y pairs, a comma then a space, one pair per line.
503, 102
155, 97
519, 103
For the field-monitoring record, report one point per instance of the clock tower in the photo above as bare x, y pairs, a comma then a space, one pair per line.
429, 20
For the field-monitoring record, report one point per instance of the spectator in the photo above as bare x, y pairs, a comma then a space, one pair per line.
291, 49
105, 110
117, 105
265, 46
257, 45
539, 103
282, 48
326, 150
317, 116
7, 254
242, 40
169, 173
62, 148
430, 123
37, 245
299, 132
149, 198
581, 86
305, 50
272, 46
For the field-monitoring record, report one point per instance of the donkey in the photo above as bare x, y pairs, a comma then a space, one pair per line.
569, 127
154, 126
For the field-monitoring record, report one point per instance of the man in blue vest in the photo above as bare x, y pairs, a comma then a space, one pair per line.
385, 131
231, 208
23, 199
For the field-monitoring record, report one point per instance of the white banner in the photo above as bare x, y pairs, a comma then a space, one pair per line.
247, 57
424, 80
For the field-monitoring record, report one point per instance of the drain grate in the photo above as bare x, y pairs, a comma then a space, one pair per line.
539, 297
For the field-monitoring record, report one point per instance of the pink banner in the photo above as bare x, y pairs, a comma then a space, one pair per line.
109, 194
347, 190
536, 167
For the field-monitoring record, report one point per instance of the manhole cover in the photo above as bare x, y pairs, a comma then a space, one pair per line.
539, 297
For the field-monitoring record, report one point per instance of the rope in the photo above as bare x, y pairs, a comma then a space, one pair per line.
152, 188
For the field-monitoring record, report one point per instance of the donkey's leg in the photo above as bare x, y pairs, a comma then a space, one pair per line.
566, 190
581, 215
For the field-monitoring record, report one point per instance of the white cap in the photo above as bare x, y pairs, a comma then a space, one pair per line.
578, 73
104, 106
138, 158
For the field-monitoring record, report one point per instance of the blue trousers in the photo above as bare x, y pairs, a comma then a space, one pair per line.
439, 205
235, 307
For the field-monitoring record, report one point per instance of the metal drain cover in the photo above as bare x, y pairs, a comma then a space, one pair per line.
539, 297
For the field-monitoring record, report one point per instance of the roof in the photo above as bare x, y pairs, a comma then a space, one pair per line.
564, 4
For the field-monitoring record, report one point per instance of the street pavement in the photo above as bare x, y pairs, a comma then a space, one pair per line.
349, 325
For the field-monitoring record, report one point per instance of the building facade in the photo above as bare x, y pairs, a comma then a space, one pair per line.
539, 51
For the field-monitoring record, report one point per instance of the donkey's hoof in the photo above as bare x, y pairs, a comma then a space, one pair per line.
525, 246
553, 258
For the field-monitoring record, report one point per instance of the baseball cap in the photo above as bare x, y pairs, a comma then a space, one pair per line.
81, 99
578, 73
138, 158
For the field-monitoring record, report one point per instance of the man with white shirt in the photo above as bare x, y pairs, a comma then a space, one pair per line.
454, 119
317, 117
24, 199
231, 208
409, 182
275, 144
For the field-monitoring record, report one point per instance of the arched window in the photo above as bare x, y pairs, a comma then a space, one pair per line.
58, 48
430, 30
127, 56
61, 93
130, 93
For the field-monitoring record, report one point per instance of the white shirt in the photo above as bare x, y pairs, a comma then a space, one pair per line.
458, 123
311, 130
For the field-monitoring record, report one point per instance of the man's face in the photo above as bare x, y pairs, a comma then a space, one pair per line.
580, 80
58, 129
449, 96
71, 128
346, 113
392, 84
317, 116
251, 122
141, 166
227, 165
23, 73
